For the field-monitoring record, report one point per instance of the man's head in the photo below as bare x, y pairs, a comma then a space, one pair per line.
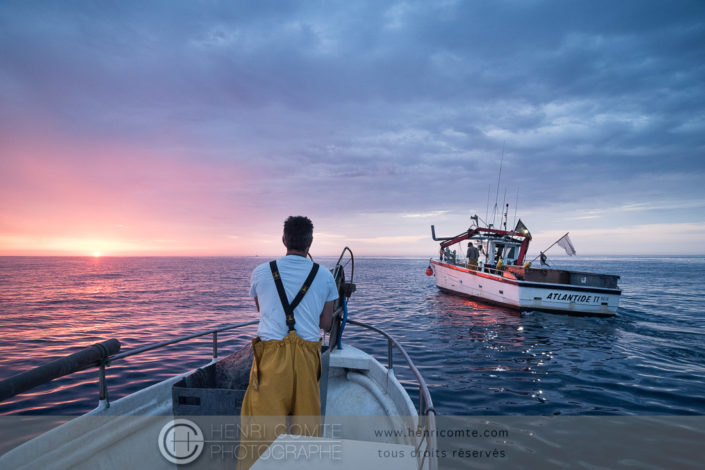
298, 233
469, 244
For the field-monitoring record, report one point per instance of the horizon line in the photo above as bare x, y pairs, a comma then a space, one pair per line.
562, 256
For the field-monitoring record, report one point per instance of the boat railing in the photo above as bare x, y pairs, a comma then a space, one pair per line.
106, 353
427, 413
100, 355
483, 268
103, 387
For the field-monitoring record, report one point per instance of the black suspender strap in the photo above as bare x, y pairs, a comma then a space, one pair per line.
289, 308
282, 294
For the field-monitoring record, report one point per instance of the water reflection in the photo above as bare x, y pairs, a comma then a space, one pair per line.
468, 320
524, 360
476, 358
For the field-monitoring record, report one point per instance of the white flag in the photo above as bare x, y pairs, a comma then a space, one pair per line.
565, 243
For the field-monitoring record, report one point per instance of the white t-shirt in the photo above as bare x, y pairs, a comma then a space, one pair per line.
293, 270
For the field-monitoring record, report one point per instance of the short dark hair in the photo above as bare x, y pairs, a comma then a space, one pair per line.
298, 233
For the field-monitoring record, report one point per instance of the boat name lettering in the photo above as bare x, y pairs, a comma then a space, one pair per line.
571, 297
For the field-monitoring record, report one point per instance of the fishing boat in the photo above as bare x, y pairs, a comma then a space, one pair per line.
192, 420
502, 276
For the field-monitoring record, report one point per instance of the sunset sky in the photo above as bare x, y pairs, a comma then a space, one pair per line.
196, 128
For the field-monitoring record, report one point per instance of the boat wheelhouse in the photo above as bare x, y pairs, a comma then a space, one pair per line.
502, 276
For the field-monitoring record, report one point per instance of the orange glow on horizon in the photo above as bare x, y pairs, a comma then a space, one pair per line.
96, 254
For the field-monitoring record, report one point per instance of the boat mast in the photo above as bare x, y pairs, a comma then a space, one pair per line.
499, 179
487, 208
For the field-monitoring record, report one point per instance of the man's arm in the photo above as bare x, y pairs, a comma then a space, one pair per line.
327, 316
257, 303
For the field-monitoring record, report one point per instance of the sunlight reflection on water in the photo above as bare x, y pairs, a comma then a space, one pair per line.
477, 359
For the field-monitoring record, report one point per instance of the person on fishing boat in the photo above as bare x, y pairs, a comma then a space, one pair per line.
445, 255
295, 300
472, 255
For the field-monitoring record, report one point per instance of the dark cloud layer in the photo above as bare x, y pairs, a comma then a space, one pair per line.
385, 106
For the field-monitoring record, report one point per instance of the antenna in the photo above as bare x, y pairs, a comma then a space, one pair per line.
487, 209
516, 204
506, 209
499, 178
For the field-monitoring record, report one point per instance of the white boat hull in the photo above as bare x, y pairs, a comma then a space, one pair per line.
525, 295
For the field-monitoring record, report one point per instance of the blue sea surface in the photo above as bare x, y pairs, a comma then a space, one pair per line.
477, 359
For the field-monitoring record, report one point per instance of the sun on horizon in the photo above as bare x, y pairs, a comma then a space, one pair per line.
96, 254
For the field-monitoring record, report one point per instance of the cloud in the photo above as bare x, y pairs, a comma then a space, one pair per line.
425, 215
625, 239
190, 112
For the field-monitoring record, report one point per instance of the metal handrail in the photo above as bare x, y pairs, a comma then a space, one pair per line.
424, 393
103, 387
425, 402
479, 268
161, 344
99, 356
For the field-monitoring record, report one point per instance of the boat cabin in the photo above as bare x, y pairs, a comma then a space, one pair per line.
494, 245
495, 250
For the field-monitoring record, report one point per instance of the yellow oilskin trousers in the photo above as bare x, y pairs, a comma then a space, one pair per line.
284, 381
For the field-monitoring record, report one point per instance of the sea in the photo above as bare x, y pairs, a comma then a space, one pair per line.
476, 359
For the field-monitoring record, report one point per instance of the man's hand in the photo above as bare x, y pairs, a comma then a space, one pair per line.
327, 316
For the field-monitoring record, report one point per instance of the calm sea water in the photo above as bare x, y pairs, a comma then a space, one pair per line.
476, 359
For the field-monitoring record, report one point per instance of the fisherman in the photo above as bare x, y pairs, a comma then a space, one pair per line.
448, 256
473, 254
295, 300
498, 253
